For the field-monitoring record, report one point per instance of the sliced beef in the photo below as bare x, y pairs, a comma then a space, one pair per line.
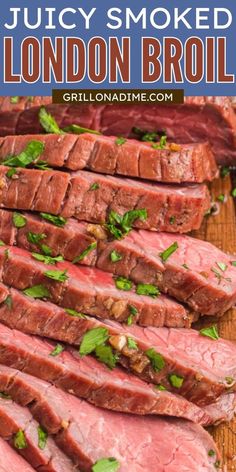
109, 155
191, 273
74, 195
87, 378
15, 420
11, 460
200, 378
77, 425
199, 119
223, 409
92, 291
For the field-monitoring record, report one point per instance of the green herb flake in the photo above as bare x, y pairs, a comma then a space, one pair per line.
219, 276
8, 302
217, 464
160, 387
131, 343
234, 192
31, 152
115, 256
20, 440
105, 355
148, 289
224, 172
123, 284
48, 123
93, 338
47, 259
14, 100
42, 165
185, 266
11, 172
133, 312
119, 141
55, 220
106, 465
2, 243
5, 396
233, 263
95, 186
42, 438
76, 129
58, 275
19, 220
222, 266
119, 226
7, 254
75, 313
37, 291
221, 198
176, 381
83, 254
211, 453
35, 238
157, 361
210, 332
57, 350
46, 250
161, 144
172, 220
169, 251
149, 137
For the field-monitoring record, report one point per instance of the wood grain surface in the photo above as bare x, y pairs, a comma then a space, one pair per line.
221, 231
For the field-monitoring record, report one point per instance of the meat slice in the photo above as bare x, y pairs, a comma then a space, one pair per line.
87, 378
182, 368
92, 197
111, 155
92, 291
10, 460
19, 428
76, 426
199, 119
191, 274
223, 409
187, 205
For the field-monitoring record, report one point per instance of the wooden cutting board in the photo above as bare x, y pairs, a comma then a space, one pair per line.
221, 231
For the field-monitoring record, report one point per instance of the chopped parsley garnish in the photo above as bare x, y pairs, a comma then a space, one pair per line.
185, 266
42, 438
219, 276
119, 226
42, 165
131, 343
106, 465
105, 355
31, 152
57, 350
20, 440
210, 332
19, 220
58, 275
123, 284
222, 266
176, 381
119, 141
160, 387
76, 129
5, 396
133, 312
11, 172
75, 313
148, 289
161, 144
55, 220
233, 263
94, 186
8, 302
83, 254
229, 380
37, 291
211, 453
47, 259
172, 220
221, 198
14, 100
93, 338
115, 256
234, 192
35, 238
224, 171
157, 361
7, 253
48, 123
2, 243
169, 251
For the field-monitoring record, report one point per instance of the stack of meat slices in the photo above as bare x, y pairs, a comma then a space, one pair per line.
99, 367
